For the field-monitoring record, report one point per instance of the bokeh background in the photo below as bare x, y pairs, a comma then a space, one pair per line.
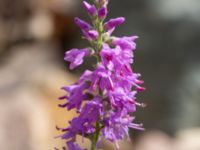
34, 34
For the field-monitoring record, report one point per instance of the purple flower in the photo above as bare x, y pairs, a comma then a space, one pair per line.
90, 113
84, 124
86, 76
76, 128
75, 56
91, 9
90, 35
76, 93
102, 78
108, 56
117, 126
116, 58
120, 99
112, 23
102, 13
72, 146
125, 43
82, 24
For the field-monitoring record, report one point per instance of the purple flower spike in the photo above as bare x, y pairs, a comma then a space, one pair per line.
112, 23
91, 9
106, 97
82, 24
75, 57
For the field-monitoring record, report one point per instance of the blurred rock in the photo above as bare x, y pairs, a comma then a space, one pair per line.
63, 6
188, 139
30, 85
184, 9
154, 140
25, 121
41, 26
13, 17
22, 21
188, 97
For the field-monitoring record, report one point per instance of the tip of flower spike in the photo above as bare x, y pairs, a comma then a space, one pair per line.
91, 9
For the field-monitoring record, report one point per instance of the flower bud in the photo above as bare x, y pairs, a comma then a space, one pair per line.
91, 9
90, 35
82, 24
112, 23
102, 13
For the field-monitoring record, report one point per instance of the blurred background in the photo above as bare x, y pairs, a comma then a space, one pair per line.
34, 34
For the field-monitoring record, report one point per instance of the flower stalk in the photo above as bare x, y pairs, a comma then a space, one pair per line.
96, 136
104, 97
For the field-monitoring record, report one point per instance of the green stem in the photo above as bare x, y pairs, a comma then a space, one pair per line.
98, 46
96, 136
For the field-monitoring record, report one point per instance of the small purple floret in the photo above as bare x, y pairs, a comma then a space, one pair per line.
82, 24
75, 57
126, 43
102, 13
112, 23
90, 35
91, 9
72, 146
